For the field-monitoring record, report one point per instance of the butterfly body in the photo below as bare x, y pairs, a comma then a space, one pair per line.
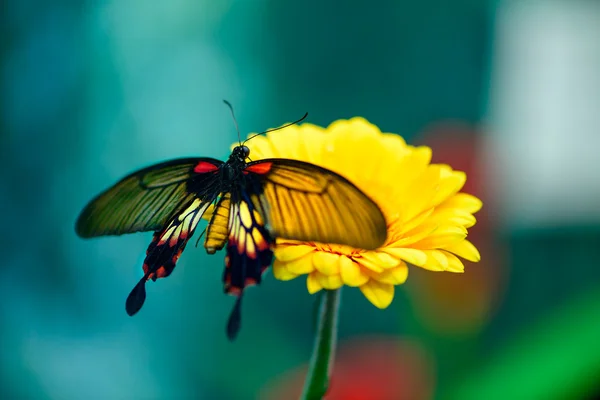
253, 204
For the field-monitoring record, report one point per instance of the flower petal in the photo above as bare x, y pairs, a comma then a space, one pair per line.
300, 266
292, 252
369, 260
443, 236
463, 201
281, 272
449, 186
330, 282
326, 263
351, 273
454, 263
455, 216
419, 233
421, 192
380, 294
411, 256
436, 261
416, 221
466, 250
394, 276
312, 284
385, 260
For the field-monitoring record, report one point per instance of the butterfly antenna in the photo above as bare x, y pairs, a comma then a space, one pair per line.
237, 128
276, 129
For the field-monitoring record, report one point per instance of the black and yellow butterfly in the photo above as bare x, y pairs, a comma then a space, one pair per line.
254, 203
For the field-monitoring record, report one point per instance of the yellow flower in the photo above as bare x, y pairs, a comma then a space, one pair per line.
427, 218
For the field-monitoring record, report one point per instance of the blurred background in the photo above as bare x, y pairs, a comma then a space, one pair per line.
508, 91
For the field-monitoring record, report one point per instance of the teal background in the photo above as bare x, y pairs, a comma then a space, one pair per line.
93, 90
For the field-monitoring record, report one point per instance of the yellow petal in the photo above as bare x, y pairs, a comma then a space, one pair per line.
292, 252
416, 221
326, 263
412, 166
394, 276
260, 148
448, 186
368, 260
300, 266
421, 192
386, 260
466, 250
281, 272
436, 260
284, 145
411, 256
463, 201
454, 263
380, 294
395, 142
443, 236
452, 216
329, 281
415, 235
312, 284
351, 273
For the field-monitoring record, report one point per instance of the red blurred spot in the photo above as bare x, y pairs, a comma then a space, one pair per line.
371, 368
203, 167
461, 304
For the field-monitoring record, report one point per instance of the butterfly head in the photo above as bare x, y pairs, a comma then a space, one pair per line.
240, 153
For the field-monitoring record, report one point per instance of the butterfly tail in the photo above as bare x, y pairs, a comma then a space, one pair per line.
164, 252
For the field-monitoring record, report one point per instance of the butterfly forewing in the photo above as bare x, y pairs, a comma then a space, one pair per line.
302, 201
145, 200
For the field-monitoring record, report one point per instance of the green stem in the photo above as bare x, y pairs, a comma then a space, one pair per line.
321, 362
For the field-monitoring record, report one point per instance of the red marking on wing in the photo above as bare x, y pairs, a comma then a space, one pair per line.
161, 272
262, 245
260, 168
234, 291
203, 167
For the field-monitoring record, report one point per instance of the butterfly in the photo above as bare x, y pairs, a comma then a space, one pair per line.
253, 203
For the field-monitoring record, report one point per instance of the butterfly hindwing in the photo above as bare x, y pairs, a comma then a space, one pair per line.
145, 200
249, 253
301, 201
165, 249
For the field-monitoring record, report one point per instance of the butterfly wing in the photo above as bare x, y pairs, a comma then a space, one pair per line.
165, 249
302, 201
145, 200
249, 252
169, 198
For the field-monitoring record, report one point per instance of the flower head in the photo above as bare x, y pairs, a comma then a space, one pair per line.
427, 216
